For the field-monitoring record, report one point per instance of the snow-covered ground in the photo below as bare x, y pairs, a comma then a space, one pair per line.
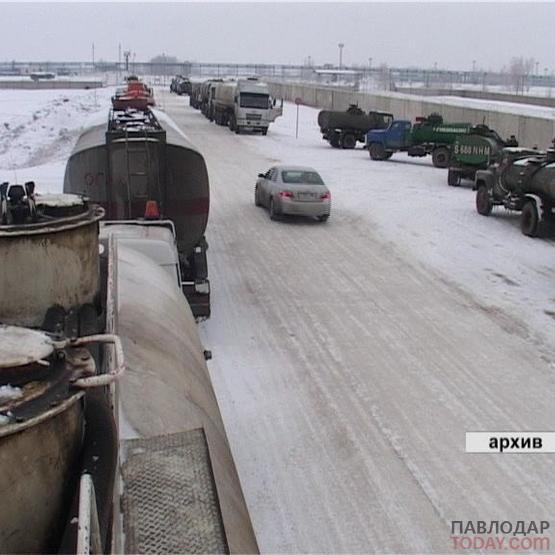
39, 129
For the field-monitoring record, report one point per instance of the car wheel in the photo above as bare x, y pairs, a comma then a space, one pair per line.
256, 198
273, 211
323, 218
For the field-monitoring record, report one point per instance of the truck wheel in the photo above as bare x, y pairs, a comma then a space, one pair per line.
377, 151
530, 218
440, 157
348, 141
335, 140
453, 178
483, 201
237, 130
265, 131
231, 123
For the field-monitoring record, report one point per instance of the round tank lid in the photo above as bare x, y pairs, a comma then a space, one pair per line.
22, 346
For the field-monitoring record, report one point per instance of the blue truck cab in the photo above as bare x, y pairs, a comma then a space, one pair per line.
396, 136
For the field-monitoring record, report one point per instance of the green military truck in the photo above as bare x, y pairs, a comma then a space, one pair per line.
475, 151
429, 135
345, 129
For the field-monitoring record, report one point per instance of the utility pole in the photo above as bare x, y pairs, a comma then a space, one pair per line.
341, 45
119, 62
93, 57
126, 55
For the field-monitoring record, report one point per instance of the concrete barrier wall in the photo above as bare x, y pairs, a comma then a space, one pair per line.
483, 95
50, 84
529, 130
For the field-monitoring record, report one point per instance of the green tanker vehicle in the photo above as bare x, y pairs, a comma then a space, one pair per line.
475, 151
429, 135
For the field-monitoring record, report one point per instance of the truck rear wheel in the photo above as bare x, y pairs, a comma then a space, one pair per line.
377, 151
483, 201
348, 141
530, 218
453, 178
335, 140
440, 157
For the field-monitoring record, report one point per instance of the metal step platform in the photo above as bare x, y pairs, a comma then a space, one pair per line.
169, 501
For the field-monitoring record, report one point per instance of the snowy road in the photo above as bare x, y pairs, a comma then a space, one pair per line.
351, 357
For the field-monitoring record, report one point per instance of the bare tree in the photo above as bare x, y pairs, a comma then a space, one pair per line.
519, 70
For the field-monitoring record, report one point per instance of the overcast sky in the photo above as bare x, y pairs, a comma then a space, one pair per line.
398, 34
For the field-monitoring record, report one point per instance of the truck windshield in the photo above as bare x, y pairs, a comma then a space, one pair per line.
299, 176
254, 100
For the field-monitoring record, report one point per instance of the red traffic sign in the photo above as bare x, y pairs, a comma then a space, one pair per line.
298, 100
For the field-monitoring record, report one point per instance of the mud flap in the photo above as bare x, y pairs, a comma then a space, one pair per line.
198, 297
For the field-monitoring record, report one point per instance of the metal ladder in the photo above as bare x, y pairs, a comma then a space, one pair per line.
146, 174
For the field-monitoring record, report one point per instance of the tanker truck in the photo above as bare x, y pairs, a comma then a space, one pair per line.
475, 151
429, 135
245, 104
139, 164
111, 439
344, 129
523, 180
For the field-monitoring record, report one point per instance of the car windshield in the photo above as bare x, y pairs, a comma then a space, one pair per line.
300, 176
254, 100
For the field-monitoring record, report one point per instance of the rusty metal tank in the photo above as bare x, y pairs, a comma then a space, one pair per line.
41, 433
50, 260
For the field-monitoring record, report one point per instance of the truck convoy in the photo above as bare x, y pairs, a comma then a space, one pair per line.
475, 151
523, 180
139, 164
429, 135
245, 104
345, 129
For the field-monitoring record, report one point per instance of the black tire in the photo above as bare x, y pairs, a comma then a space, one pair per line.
388, 155
453, 178
483, 201
265, 131
348, 141
231, 123
530, 218
440, 157
237, 130
273, 213
323, 218
377, 151
335, 140
256, 199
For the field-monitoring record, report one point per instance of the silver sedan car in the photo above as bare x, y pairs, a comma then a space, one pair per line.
294, 190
